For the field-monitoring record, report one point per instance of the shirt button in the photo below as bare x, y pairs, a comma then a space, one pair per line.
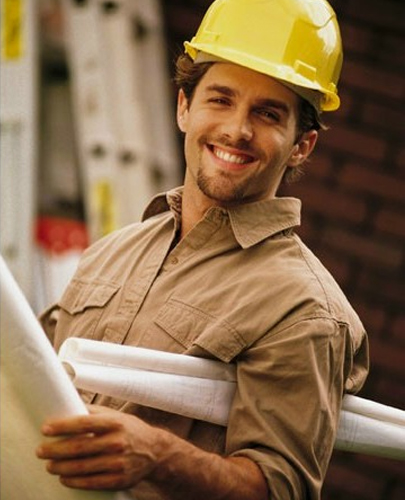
174, 260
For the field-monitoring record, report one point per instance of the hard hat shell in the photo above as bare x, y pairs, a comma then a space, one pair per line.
295, 41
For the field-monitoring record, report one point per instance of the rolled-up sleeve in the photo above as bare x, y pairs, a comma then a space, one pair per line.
286, 411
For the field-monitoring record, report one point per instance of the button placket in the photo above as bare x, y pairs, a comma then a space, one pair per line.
134, 295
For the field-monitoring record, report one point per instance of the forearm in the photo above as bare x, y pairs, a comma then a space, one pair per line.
109, 450
185, 471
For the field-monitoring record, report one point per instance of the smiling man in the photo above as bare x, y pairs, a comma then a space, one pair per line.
216, 270
240, 135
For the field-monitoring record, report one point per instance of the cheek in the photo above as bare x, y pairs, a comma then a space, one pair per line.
278, 148
190, 149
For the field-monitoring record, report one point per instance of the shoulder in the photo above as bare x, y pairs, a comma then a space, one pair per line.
114, 252
295, 276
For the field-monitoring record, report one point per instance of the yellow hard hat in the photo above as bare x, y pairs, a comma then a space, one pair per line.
295, 41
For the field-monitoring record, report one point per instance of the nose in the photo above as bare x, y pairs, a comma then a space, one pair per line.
239, 126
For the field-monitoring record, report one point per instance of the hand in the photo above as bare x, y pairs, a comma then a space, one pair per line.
110, 450
106, 450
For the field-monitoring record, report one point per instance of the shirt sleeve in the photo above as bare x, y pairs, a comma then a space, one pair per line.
286, 410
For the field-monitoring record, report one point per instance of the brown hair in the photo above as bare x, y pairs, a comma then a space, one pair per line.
187, 76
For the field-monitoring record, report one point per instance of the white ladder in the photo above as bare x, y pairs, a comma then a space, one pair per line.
18, 137
126, 131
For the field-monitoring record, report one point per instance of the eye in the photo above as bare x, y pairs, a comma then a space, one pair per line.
221, 101
268, 114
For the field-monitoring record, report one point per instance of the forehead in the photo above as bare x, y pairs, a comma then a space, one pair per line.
247, 83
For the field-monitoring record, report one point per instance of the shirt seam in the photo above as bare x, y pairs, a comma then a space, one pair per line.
315, 276
304, 319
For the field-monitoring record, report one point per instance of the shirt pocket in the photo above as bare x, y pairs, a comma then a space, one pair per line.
81, 308
194, 329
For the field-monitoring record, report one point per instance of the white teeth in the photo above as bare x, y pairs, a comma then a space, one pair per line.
224, 155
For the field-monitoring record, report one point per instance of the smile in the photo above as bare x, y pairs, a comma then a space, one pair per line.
239, 159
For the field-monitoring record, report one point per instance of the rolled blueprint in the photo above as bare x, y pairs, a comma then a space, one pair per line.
194, 397
181, 384
374, 410
34, 386
363, 434
109, 354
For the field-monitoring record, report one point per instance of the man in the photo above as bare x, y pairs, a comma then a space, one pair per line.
216, 270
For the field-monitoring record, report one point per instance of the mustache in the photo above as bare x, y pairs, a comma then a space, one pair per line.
241, 144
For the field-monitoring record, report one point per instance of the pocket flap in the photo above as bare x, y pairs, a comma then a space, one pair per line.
82, 294
191, 326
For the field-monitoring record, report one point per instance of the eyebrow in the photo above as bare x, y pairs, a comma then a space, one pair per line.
266, 102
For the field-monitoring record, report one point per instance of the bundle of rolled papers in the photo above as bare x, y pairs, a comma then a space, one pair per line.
204, 389
34, 386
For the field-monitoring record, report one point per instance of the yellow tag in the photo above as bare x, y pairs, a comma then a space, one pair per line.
104, 207
11, 29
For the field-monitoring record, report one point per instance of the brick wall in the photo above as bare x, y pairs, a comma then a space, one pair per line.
354, 219
353, 197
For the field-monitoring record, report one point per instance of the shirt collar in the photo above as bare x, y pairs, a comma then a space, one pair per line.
164, 202
251, 222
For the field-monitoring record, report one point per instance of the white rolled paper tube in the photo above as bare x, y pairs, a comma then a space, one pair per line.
361, 434
109, 354
34, 386
374, 410
193, 397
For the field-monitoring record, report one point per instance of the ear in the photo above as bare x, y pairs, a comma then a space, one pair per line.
303, 148
182, 111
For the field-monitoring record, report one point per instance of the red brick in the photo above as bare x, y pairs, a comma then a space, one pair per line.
388, 48
330, 203
388, 356
183, 20
347, 140
390, 391
391, 222
354, 483
364, 179
370, 79
339, 268
319, 166
347, 105
357, 39
308, 231
387, 286
378, 13
377, 253
384, 117
383, 465
398, 329
373, 317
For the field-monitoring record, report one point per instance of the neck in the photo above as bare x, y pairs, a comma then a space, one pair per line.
194, 205
192, 211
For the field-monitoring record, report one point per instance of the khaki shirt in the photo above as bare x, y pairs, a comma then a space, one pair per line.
240, 287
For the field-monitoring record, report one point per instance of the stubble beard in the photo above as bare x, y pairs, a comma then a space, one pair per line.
222, 188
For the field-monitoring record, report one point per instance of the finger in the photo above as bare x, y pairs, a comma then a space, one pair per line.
81, 446
111, 482
87, 466
81, 424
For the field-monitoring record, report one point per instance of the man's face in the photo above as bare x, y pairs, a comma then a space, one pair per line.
240, 135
